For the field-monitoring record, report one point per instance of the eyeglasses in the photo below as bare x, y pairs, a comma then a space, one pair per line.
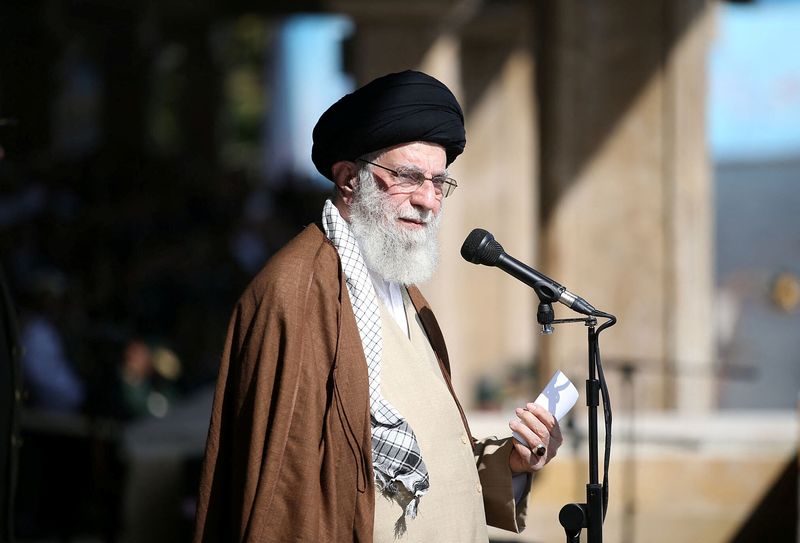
410, 181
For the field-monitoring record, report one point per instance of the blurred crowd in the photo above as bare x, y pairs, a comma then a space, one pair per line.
123, 273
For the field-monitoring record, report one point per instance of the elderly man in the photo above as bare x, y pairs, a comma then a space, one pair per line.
334, 417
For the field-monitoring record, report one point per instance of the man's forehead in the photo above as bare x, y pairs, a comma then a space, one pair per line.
417, 155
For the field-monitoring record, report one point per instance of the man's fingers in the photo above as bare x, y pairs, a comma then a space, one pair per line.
532, 439
530, 461
532, 421
545, 416
541, 432
523, 452
540, 419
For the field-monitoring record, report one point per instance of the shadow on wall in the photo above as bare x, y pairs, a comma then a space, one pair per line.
594, 59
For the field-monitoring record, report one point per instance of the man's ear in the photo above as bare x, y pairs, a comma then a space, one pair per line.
344, 176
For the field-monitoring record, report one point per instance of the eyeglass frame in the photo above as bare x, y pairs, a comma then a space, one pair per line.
447, 187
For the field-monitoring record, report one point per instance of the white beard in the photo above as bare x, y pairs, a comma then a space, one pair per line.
395, 253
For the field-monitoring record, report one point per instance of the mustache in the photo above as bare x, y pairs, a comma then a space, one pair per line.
414, 214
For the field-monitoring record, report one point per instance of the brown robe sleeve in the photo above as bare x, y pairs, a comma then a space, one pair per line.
287, 456
502, 510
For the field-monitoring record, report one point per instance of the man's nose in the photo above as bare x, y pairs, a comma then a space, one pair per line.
425, 196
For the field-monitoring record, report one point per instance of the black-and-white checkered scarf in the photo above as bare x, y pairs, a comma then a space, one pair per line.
396, 455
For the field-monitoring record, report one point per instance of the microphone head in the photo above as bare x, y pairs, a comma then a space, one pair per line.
480, 247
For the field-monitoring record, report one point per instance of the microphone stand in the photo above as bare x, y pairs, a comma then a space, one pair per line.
590, 515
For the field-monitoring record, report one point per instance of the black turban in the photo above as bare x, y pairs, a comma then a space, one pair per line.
393, 109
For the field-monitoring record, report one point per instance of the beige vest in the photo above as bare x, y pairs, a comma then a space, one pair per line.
452, 509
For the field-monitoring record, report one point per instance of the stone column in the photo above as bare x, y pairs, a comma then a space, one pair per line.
626, 204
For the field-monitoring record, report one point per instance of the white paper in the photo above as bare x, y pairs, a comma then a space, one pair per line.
558, 397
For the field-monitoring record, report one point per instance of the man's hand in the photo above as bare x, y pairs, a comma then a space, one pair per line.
539, 428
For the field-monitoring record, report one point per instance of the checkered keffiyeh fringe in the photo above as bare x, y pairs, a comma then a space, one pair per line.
396, 455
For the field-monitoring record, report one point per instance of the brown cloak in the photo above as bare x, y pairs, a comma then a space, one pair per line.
288, 456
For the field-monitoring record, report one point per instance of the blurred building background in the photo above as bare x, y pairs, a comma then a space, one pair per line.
153, 155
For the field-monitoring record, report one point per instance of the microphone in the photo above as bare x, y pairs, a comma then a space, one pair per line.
480, 247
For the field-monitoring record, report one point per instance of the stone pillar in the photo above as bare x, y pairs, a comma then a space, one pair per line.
626, 204
485, 57
690, 329
487, 316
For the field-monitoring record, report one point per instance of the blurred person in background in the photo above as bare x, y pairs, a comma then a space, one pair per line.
147, 380
54, 457
334, 417
48, 374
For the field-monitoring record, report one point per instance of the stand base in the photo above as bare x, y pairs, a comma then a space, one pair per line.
573, 518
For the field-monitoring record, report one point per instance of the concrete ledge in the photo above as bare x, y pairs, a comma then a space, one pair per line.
681, 478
